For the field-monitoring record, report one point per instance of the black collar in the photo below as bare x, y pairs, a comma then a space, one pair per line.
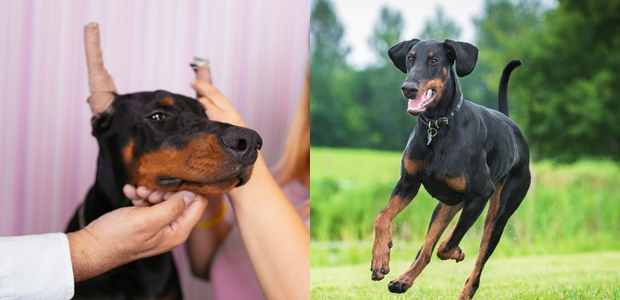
443, 120
433, 124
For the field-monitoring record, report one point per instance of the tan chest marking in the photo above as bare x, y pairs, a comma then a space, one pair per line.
414, 166
457, 183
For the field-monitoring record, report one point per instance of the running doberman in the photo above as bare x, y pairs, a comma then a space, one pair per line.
163, 141
464, 154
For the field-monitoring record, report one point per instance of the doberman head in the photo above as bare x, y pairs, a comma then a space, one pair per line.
430, 82
165, 142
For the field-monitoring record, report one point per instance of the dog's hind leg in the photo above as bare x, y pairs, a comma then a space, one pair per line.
441, 218
508, 196
401, 197
449, 249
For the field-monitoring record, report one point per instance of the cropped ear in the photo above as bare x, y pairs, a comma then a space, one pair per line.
102, 122
398, 53
465, 54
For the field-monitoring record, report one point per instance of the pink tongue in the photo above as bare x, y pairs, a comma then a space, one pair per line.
415, 104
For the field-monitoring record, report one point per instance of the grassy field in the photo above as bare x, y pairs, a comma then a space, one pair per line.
570, 276
569, 209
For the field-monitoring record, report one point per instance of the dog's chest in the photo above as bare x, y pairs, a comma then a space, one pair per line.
443, 170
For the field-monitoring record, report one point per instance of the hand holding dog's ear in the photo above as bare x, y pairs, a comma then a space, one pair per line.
216, 105
131, 233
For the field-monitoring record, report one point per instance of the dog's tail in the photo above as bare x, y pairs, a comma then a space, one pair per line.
503, 86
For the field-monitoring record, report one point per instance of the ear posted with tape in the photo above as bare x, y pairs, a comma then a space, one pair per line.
102, 89
465, 54
398, 54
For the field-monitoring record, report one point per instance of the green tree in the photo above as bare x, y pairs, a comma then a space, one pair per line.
439, 28
386, 33
570, 81
378, 88
330, 105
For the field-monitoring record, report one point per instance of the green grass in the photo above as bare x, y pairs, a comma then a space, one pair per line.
569, 209
573, 276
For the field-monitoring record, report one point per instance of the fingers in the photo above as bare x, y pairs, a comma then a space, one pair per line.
211, 94
164, 213
143, 192
130, 192
216, 105
168, 195
156, 197
189, 218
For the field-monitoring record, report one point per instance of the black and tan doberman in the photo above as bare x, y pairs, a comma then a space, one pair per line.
163, 141
464, 155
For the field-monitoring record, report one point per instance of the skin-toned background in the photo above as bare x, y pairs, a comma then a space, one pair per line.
258, 53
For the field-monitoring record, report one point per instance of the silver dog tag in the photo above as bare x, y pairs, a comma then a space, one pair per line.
429, 138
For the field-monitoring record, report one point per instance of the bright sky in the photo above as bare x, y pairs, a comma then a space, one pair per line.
360, 16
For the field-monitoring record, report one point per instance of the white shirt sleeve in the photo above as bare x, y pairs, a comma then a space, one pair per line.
36, 267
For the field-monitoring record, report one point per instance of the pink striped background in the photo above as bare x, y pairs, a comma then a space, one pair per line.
258, 53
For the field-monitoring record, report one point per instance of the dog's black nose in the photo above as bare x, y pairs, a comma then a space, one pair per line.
242, 143
410, 89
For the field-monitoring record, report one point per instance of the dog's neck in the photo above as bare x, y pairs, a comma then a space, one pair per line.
449, 98
107, 192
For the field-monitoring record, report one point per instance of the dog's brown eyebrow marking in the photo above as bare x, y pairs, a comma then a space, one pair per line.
445, 71
412, 52
167, 101
430, 54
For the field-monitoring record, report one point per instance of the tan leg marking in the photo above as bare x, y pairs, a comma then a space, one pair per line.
443, 219
383, 238
451, 253
486, 236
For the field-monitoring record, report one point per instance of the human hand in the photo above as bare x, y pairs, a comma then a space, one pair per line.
215, 104
131, 233
144, 197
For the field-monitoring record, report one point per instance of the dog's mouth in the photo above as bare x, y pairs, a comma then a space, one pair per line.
166, 181
418, 105
206, 186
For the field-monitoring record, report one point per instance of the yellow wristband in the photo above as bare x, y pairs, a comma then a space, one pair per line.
215, 221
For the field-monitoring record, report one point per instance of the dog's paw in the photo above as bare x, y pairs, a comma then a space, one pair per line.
456, 253
380, 265
398, 286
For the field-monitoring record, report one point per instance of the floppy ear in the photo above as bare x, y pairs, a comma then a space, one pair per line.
102, 122
398, 53
465, 54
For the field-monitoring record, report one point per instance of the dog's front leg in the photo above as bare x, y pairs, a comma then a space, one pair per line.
402, 195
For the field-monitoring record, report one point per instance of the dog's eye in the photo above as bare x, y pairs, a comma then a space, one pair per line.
434, 61
410, 58
157, 117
